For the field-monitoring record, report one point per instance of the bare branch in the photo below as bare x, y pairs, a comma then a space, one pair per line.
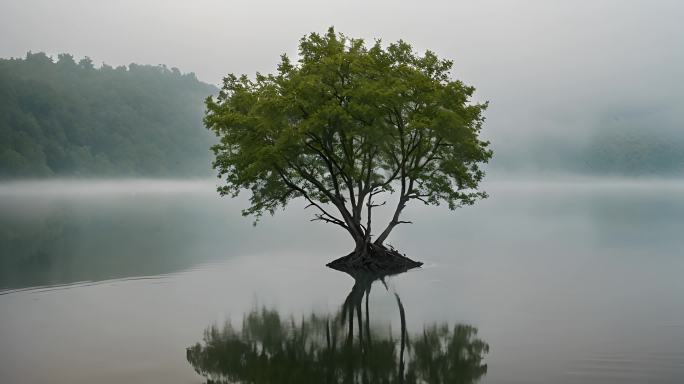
312, 203
319, 217
418, 197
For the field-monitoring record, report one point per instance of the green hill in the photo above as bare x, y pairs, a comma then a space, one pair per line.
63, 118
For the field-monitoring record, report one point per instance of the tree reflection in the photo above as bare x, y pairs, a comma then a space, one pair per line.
326, 349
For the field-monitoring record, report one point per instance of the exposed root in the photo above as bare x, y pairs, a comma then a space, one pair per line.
376, 260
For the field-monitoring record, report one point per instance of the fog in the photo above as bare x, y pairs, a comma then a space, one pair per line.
571, 269
64, 230
557, 73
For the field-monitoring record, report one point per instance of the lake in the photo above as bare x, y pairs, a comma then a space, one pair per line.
565, 281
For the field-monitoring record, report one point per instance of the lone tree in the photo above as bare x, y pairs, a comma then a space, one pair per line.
347, 125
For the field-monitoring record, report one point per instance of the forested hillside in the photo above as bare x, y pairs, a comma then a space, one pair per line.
66, 118
630, 149
62, 117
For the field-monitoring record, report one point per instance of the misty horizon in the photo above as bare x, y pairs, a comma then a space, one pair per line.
561, 78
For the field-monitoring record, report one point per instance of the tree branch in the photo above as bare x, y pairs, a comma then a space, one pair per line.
330, 217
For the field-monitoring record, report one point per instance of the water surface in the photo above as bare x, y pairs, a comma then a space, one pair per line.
567, 282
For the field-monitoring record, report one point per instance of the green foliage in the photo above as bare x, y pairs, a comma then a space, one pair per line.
72, 119
345, 122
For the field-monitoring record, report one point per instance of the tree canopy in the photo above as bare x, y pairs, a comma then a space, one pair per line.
343, 126
67, 118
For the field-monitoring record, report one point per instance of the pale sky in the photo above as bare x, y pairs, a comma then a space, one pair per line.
560, 67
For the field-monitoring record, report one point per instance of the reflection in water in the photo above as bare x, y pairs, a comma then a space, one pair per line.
341, 348
84, 235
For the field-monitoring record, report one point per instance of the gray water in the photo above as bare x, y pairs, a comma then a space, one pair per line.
576, 281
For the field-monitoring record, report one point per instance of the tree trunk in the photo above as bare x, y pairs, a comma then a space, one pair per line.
383, 236
393, 223
361, 247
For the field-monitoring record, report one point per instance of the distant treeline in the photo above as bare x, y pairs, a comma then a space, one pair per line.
630, 147
635, 151
626, 151
66, 118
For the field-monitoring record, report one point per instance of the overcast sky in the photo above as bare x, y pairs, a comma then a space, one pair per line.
545, 65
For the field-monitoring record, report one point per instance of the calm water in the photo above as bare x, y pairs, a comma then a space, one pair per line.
566, 282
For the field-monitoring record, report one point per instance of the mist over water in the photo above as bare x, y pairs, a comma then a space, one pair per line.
575, 281
65, 231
